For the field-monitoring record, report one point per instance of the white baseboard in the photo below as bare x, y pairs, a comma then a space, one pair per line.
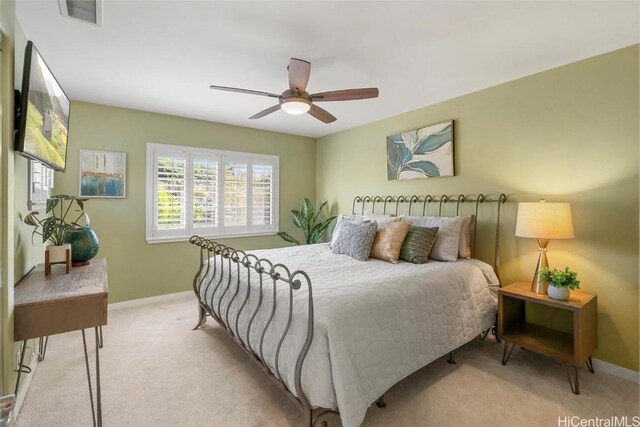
148, 300
616, 371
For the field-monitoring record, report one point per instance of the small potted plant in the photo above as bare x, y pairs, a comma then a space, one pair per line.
55, 227
560, 282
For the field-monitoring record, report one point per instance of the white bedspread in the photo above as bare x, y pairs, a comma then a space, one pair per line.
375, 322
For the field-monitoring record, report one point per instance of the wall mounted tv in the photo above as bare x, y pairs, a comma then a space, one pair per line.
42, 114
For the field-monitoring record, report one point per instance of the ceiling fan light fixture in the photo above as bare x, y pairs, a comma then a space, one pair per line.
295, 106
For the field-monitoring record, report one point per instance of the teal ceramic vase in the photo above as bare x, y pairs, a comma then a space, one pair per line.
84, 244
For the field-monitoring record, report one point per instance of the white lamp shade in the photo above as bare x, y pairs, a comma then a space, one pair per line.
295, 106
543, 220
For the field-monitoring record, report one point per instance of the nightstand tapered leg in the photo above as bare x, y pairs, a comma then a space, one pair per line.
590, 365
575, 385
506, 353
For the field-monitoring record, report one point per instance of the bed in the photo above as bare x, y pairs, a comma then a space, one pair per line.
336, 333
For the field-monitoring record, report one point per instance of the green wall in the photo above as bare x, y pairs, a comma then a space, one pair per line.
138, 269
568, 134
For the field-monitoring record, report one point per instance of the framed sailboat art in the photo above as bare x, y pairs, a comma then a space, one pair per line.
103, 174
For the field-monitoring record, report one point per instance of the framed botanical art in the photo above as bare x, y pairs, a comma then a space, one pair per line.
103, 174
421, 153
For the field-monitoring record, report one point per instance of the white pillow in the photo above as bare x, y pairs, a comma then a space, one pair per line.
448, 238
464, 251
381, 219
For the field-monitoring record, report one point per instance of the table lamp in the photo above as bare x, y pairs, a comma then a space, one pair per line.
543, 221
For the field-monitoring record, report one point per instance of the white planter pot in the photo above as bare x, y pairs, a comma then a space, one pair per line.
58, 253
561, 294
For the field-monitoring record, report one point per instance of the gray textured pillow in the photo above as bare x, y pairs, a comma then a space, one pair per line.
355, 239
344, 218
418, 244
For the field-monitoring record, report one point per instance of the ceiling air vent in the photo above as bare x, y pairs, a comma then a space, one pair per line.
89, 11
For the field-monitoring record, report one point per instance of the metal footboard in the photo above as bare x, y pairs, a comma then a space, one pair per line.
215, 271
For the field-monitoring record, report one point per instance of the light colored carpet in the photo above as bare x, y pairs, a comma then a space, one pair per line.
156, 371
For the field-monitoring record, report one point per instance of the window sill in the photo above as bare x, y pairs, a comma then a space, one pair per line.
154, 240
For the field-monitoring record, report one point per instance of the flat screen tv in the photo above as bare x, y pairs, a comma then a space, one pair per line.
43, 114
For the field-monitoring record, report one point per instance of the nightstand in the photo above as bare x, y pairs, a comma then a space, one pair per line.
574, 349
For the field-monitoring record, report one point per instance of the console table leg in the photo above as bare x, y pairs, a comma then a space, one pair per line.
98, 394
101, 339
86, 363
42, 348
24, 347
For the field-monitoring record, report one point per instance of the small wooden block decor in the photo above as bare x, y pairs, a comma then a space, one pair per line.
421, 153
48, 263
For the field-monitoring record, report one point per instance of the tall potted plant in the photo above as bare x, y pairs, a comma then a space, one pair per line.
306, 219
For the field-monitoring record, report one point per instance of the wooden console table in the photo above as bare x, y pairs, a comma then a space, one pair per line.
59, 302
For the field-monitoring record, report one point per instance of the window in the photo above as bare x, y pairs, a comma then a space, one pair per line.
210, 193
40, 185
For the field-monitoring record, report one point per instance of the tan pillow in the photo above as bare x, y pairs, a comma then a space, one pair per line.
464, 249
388, 241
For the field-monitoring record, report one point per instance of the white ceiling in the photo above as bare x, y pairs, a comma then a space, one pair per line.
161, 56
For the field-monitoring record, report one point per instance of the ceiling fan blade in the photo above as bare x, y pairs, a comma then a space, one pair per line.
266, 112
321, 114
346, 95
247, 91
299, 71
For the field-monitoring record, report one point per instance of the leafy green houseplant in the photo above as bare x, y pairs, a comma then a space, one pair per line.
560, 282
59, 220
306, 219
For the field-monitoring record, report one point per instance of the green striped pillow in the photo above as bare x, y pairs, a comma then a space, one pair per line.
418, 244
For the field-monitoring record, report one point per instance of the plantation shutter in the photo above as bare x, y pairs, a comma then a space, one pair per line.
171, 193
262, 188
235, 194
205, 198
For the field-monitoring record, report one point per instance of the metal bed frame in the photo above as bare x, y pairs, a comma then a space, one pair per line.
220, 260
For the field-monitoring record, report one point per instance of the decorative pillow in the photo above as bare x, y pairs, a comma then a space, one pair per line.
355, 239
418, 244
388, 241
448, 239
464, 250
342, 218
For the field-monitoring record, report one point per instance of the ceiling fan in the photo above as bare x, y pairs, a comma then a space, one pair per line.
296, 100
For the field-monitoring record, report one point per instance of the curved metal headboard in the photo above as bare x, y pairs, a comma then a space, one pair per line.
391, 204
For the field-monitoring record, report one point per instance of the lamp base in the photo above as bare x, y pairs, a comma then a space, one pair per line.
538, 286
